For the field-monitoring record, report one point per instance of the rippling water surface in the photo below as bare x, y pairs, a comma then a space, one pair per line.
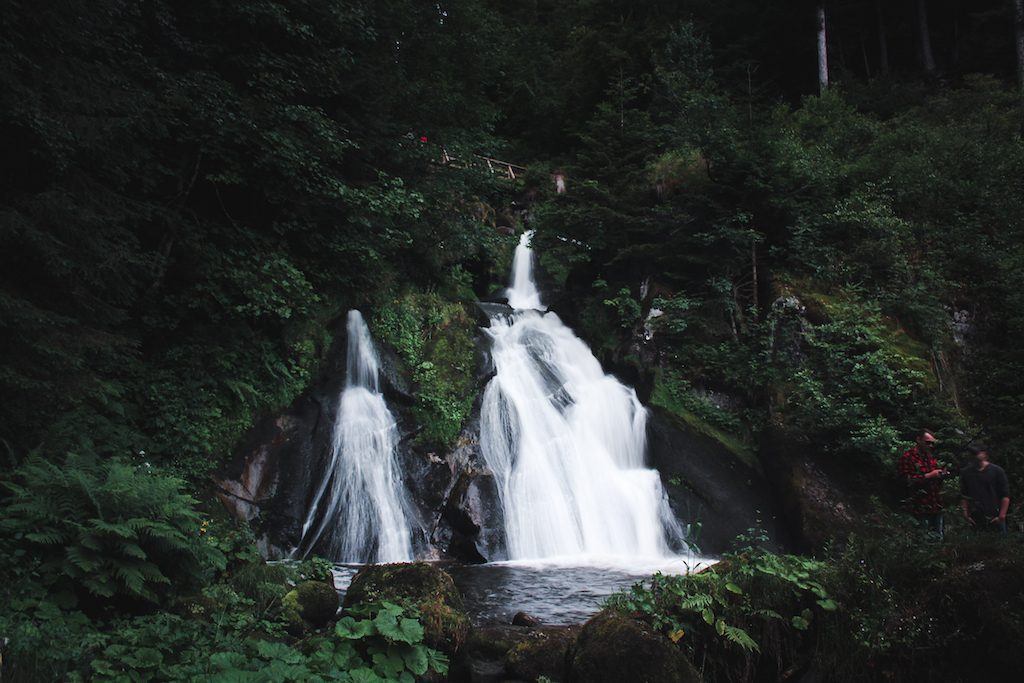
555, 593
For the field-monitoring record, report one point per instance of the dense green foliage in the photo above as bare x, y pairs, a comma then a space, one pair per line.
883, 607
193, 194
194, 190
89, 550
435, 339
105, 529
833, 270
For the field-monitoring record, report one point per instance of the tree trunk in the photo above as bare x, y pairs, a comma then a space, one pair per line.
883, 42
864, 56
1018, 28
822, 51
927, 58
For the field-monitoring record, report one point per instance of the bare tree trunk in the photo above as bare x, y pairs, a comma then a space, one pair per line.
880, 17
822, 51
1018, 28
955, 52
753, 273
883, 42
927, 57
864, 56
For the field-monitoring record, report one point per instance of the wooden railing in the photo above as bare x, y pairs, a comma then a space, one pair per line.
505, 168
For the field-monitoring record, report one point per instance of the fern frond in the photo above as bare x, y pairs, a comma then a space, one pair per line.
738, 636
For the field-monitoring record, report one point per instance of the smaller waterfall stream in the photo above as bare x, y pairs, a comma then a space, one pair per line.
566, 442
358, 512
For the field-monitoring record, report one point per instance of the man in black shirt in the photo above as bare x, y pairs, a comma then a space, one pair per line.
985, 493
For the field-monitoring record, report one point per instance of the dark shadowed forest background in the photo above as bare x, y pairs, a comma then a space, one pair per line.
193, 194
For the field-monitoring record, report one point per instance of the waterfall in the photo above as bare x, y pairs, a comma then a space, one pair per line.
358, 512
565, 441
523, 294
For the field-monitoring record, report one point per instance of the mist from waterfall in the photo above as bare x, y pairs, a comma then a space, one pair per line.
566, 442
358, 511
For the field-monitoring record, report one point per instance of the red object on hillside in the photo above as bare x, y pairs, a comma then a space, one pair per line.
423, 138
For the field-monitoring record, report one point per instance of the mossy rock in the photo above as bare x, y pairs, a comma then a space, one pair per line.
295, 625
613, 648
543, 653
318, 602
314, 602
493, 642
420, 585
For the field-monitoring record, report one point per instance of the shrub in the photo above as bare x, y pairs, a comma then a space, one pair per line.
105, 528
753, 607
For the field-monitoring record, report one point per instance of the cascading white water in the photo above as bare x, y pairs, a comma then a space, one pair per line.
358, 512
566, 442
523, 294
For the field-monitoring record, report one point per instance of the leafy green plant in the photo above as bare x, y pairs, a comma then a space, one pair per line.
435, 339
728, 612
315, 569
383, 642
625, 307
106, 527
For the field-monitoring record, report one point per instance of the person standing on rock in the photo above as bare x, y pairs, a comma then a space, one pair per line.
985, 493
921, 472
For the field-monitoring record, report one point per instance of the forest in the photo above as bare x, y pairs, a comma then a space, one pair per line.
791, 233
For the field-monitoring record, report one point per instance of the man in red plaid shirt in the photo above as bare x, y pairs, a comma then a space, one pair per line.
921, 472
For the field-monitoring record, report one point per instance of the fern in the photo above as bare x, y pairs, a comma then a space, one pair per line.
106, 526
738, 636
696, 602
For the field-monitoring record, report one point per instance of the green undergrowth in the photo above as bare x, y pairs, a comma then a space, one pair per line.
894, 338
112, 573
750, 602
889, 604
435, 338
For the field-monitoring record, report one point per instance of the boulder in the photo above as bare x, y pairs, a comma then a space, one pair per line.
311, 604
295, 625
469, 524
422, 586
317, 602
482, 658
524, 619
494, 641
612, 648
543, 652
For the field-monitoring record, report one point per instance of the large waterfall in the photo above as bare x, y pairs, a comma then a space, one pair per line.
358, 512
566, 442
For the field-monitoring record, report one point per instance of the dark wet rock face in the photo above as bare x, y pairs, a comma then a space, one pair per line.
710, 484
472, 520
268, 481
612, 648
814, 498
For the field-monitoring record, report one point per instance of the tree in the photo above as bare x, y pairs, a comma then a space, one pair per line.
1018, 29
822, 50
924, 36
883, 41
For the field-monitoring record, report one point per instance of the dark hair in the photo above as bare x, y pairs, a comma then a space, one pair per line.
978, 448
